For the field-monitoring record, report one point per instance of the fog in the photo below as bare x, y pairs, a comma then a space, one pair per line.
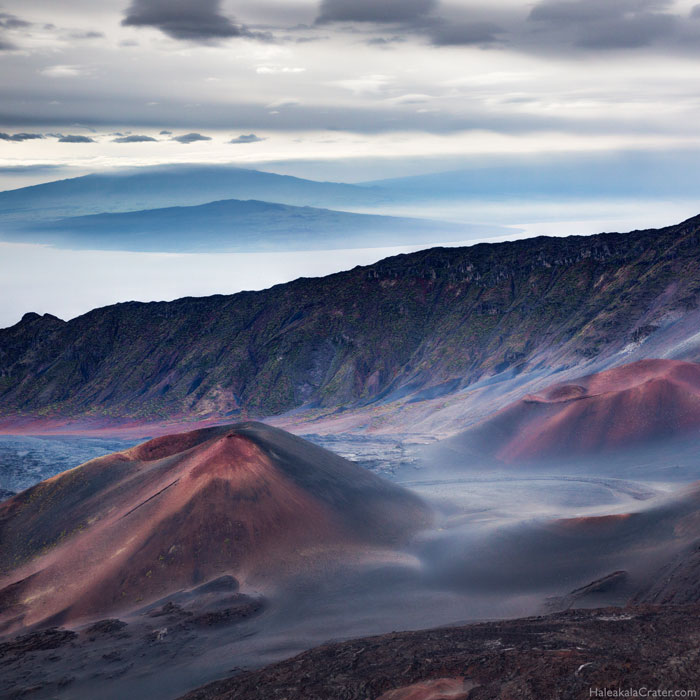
494, 552
503, 543
68, 283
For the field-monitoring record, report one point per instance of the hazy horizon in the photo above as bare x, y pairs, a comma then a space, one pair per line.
581, 116
102, 278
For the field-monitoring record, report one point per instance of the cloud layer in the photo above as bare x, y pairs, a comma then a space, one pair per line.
445, 33
601, 24
200, 20
386, 11
550, 25
19, 137
134, 138
73, 138
342, 78
10, 21
192, 137
246, 138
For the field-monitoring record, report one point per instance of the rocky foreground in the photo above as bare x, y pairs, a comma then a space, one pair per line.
562, 656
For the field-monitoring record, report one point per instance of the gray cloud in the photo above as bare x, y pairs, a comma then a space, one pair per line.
386, 11
26, 169
104, 110
695, 12
629, 33
87, 35
133, 138
445, 33
385, 42
568, 11
247, 138
72, 138
415, 17
193, 20
19, 137
8, 21
306, 39
190, 138
165, 132
601, 24
551, 26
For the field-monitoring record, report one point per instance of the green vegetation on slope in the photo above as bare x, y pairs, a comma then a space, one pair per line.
404, 324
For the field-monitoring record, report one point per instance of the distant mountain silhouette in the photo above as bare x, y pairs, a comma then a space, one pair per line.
234, 225
603, 176
168, 186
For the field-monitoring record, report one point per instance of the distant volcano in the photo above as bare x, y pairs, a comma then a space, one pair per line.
635, 404
245, 500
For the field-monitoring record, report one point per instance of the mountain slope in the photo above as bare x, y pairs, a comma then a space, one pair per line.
600, 175
245, 500
234, 225
408, 328
179, 185
660, 544
558, 657
628, 406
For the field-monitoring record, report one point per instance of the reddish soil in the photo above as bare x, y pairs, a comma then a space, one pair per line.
247, 500
638, 403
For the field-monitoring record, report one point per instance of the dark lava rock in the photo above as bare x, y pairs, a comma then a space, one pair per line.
37, 641
110, 626
221, 609
564, 656
169, 608
677, 583
229, 616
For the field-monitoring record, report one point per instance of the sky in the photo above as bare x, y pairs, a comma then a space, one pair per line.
89, 84
355, 90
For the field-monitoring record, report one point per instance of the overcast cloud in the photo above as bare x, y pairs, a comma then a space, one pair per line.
346, 90
391, 11
75, 138
134, 138
8, 21
604, 24
19, 137
195, 20
300, 78
191, 138
247, 138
